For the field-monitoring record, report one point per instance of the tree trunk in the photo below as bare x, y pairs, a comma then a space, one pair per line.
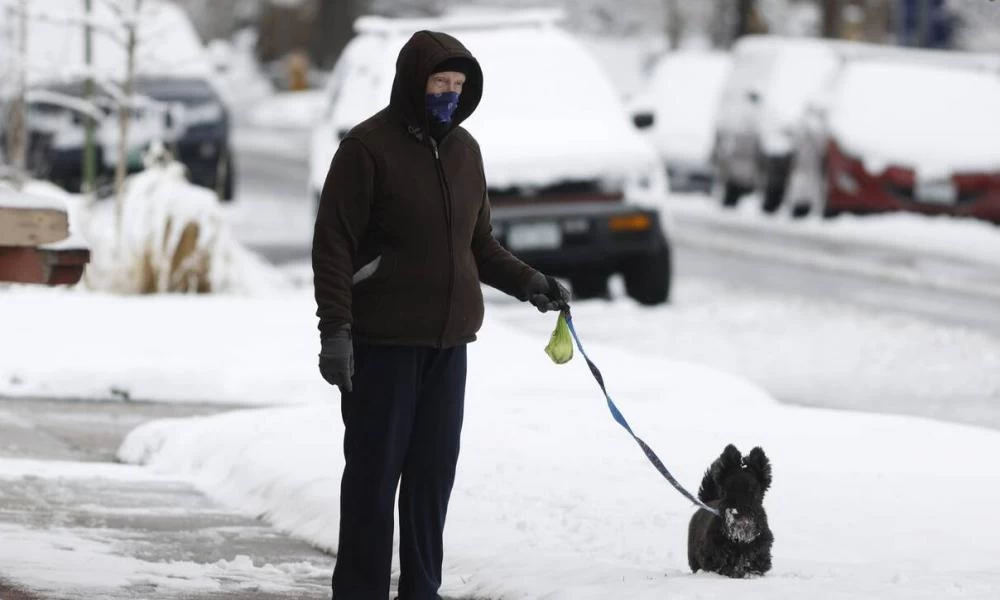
744, 18
17, 125
832, 18
125, 110
333, 29
89, 166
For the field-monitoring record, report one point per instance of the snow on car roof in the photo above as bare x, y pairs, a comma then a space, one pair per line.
548, 113
685, 91
932, 118
168, 43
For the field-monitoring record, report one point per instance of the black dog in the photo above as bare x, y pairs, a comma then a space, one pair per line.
737, 543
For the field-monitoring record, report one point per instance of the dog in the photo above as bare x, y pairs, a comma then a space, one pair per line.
738, 542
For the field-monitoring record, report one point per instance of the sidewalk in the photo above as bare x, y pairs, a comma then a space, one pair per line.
75, 526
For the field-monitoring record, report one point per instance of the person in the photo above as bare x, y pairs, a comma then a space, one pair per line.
401, 244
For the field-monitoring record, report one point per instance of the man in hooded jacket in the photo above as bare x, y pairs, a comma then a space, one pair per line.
402, 242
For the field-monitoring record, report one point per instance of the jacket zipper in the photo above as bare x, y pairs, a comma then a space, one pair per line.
446, 196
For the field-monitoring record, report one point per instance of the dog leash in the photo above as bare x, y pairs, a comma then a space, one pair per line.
620, 418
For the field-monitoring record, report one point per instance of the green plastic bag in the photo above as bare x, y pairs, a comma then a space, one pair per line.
560, 348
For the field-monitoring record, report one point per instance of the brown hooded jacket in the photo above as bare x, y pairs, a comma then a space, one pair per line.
403, 235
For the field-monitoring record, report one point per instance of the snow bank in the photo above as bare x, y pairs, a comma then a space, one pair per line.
922, 236
224, 349
553, 500
937, 120
173, 239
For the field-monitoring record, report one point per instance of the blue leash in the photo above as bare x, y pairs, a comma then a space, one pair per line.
653, 458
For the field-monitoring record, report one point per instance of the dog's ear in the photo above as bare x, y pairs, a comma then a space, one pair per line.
760, 466
731, 461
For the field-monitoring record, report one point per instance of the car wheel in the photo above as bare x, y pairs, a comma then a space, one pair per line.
731, 193
773, 194
800, 210
588, 287
648, 277
774, 176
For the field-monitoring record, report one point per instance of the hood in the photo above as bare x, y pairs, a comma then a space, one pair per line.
424, 51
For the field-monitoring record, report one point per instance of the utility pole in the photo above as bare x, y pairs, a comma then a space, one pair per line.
89, 167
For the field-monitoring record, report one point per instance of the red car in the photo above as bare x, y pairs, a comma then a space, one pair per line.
895, 136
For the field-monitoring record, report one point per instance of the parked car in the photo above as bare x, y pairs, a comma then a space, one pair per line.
574, 188
186, 113
771, 81
683, 99
891, 135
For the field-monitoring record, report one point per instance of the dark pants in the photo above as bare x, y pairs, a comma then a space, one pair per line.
403, 420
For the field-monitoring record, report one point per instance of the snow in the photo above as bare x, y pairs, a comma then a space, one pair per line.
222, 348
11, 198
686, 88
168, 41
554, 500
239, 77
934, 119
287, 110
945, 237
62, 558
159, 205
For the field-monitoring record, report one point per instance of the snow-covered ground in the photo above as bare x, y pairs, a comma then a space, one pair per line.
117, 531
960, 254
554, 500
552, 497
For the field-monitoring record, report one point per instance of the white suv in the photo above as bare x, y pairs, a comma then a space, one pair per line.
574, 188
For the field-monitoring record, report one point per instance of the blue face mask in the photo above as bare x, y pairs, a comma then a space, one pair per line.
442, 106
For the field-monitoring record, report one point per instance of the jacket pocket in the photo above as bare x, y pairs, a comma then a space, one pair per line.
367, 271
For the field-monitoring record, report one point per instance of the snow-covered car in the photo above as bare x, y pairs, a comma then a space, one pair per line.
683, 97
893, 135
770, 84
176, 99
575, 189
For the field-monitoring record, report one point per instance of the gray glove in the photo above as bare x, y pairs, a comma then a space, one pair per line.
336, 359
547, 294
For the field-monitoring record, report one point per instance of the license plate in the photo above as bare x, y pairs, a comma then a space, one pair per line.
936, 191
534, 236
